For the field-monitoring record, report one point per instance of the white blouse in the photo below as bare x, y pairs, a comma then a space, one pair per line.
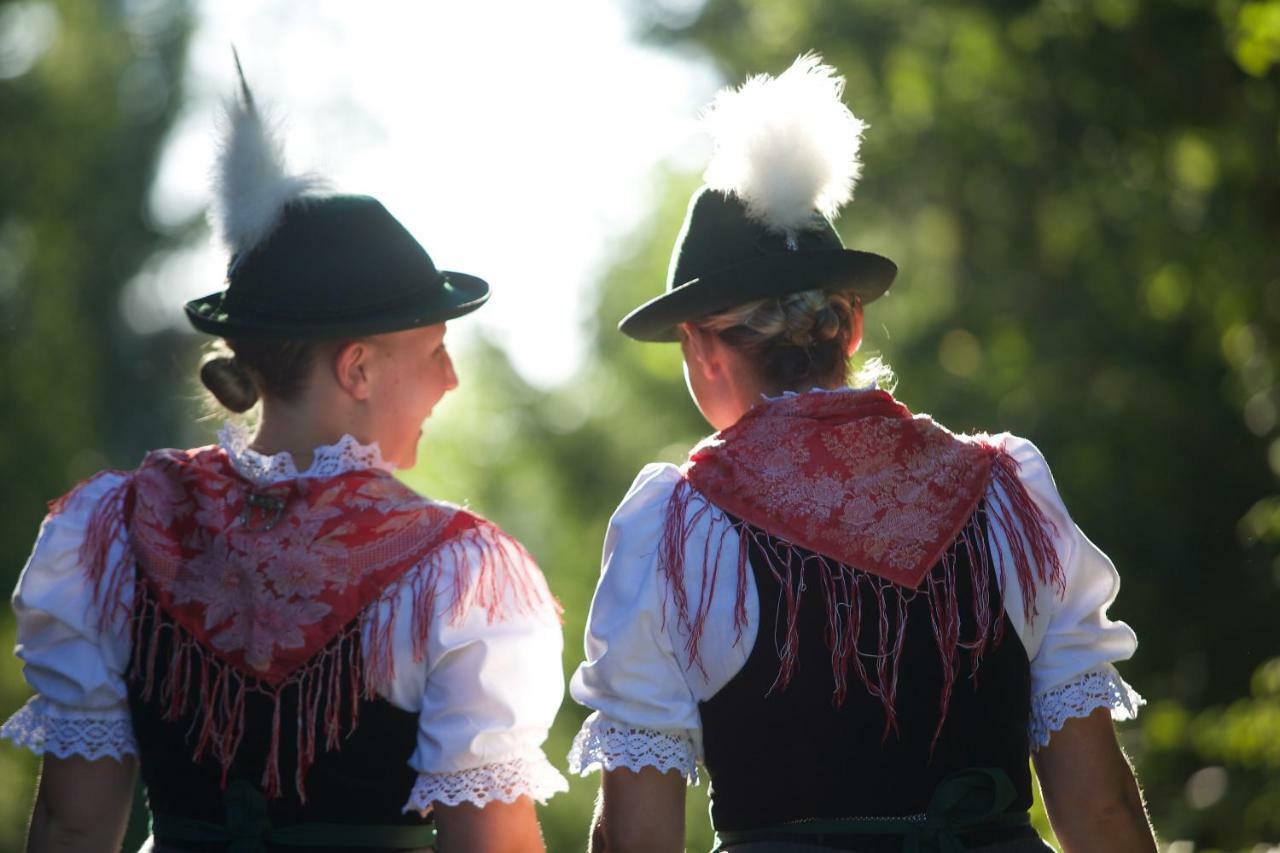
644, 693
485, 694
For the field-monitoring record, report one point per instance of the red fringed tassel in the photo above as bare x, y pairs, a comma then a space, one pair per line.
675, 534
843, 589
947, 617
105, 529
677, 526
492, 571
1027, 530
60, 504
839, 638
194, 678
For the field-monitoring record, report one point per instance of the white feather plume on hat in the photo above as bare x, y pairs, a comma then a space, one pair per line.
250, 182
786, 146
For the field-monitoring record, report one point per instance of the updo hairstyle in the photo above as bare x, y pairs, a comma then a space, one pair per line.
239, 372
797, 342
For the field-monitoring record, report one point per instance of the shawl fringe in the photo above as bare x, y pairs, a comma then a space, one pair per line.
352, 667
844, 589
493, 572
106, 529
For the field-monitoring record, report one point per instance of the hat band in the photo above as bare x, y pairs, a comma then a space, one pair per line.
273, 313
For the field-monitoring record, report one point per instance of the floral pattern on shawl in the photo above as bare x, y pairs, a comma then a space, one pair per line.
266, 588
279, 587
885, 501
853, 476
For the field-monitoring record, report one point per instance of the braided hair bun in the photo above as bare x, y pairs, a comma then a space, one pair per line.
798, 341
807, 318
229, 382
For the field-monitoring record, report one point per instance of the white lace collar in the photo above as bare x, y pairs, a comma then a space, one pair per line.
844, 389
327, 460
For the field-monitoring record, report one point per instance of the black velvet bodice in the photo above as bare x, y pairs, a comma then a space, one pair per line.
778, 755
366, 781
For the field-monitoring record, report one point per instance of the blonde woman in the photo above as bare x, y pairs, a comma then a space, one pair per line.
860, 624
297, 650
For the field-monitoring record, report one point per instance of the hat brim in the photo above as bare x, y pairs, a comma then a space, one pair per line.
845, 270
459, 295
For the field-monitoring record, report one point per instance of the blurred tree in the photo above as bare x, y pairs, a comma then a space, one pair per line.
87, 92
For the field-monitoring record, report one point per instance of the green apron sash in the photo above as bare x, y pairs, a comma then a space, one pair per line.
248, 828
965, 801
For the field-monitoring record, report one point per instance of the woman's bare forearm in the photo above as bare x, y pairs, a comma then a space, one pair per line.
1120, 824
1116, 828
81, 806
639, 812
596, 843
46, 835
1090, 792
497, 827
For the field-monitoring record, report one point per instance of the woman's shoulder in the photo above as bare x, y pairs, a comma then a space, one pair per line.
1024, 451
480, 566
630, 562
76, 505
642, 533
82, 532
649, 491
1033, 474
86, 520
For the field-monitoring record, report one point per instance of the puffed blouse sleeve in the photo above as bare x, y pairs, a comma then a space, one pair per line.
488, 686
644, 706
73, 663
1071, 642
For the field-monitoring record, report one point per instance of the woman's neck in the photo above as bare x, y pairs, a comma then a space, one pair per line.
297, 429
803, 388
745, 391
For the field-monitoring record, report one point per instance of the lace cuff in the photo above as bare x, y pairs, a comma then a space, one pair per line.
531, 776
602, 744
1098, 688
44, 727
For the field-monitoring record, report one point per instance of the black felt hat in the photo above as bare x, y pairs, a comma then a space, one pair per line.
785, 161
308, 263
335, 266
724, 258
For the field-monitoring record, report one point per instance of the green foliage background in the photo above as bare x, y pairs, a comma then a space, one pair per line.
1083, 197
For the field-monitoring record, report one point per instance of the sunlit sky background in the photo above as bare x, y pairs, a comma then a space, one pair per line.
518, 141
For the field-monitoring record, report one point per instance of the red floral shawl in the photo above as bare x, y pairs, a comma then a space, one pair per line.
881, 498
272, 588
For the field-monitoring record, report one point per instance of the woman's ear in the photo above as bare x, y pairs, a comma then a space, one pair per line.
685, 331
855, 339
700, 352
351, 368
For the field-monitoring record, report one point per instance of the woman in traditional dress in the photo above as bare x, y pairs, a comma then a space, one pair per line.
859, 623
297, 650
